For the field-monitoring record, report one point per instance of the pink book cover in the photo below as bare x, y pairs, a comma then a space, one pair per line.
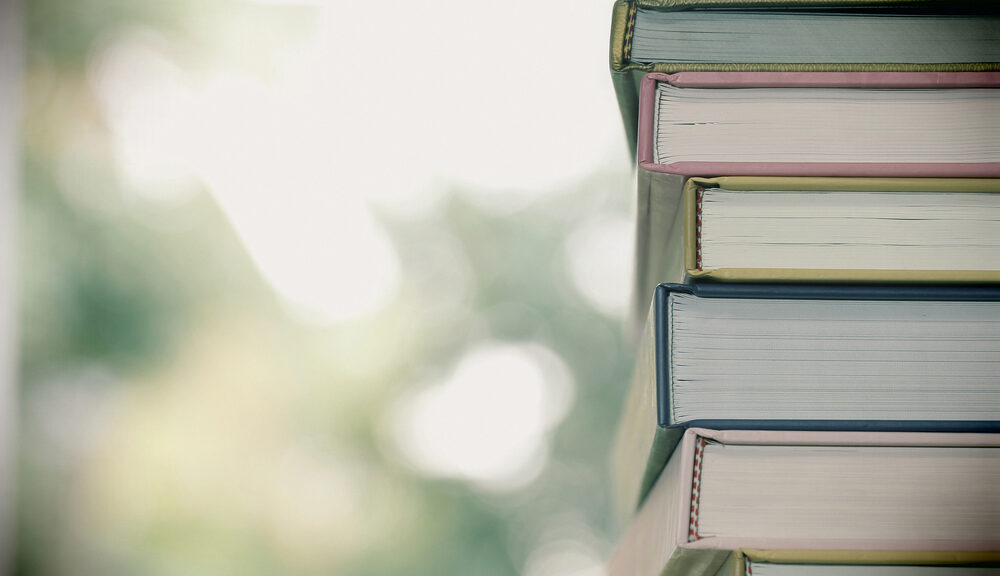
804, 80
694, 441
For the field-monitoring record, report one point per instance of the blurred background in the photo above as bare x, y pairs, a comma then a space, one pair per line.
314, 287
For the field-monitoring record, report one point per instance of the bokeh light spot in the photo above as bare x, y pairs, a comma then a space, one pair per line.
488, 422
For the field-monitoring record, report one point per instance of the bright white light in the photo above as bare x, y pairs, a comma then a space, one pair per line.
267, 159
564, 558
488, 421
149, 109
293, 155
312, 238
599, 257
509, 122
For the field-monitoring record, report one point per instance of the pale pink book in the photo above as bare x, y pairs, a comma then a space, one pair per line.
878, 124
794, 490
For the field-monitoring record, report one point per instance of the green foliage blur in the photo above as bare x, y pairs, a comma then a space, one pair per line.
177, 419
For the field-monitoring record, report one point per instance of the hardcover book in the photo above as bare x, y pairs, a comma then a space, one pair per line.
819, 357
767, 569
799, 35
861, 563
814, 491
932, 124
758, 229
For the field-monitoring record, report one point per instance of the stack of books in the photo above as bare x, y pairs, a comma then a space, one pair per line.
817, 288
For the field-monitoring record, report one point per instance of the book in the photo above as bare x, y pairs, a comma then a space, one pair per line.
898, 492
659, 185
861, 563
827, 229
799, 35
820, 357
821, 124
766, 569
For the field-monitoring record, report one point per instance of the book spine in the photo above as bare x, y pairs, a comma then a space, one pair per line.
661, 351
629, 32
699, 453
697, 226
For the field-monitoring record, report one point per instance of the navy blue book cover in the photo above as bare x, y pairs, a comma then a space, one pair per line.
988, 293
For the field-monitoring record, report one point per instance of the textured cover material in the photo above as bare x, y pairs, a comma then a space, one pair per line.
627, 75
647, 116
643, 444
686, 248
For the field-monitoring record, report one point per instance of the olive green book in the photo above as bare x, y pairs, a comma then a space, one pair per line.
814, 230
